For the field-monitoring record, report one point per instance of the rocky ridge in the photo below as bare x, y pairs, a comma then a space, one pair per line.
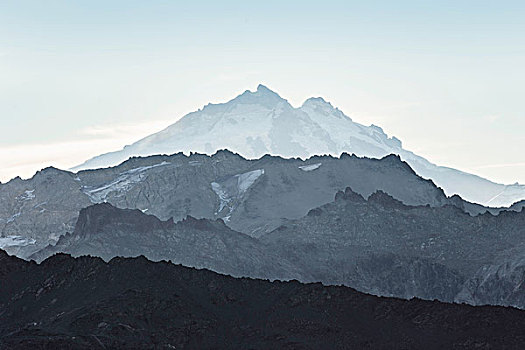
86, 303
377, 245
251, 196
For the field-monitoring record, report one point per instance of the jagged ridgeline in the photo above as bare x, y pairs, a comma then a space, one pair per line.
251, 196
377, 245
85, 303
389, 233
262, 122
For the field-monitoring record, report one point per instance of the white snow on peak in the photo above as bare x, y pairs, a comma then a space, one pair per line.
310, 167
320, 105
261, 122
263, 89
257, 123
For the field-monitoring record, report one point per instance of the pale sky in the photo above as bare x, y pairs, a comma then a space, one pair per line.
86, 77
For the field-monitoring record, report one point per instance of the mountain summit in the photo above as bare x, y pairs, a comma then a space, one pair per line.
262, 122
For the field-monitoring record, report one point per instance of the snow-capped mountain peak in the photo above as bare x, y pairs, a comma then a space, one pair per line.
263, 96
320, 106
317, 102
264, 90
261, 122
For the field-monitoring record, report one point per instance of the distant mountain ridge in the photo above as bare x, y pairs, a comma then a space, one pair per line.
105, 231
261, 122
251, 196
377, 245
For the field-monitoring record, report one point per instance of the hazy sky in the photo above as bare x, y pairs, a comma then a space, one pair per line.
79, 78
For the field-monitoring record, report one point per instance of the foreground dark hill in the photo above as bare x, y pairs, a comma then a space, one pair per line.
251, 196
85, 303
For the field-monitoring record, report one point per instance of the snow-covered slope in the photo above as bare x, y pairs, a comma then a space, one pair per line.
261, 122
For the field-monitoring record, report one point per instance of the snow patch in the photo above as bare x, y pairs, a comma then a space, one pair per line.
222, 194
245, 180
310, 167
232, 190
27, 196
144, 168
13, 217
15, 241
123, 183
40, 205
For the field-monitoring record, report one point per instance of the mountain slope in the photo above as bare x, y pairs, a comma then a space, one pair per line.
107, 232
378, 246
261, 122
85, 303
251, 196
382, 246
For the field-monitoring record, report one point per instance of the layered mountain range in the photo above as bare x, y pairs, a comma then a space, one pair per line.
315, 211
107, 232
390, 232
86, 303
251, 196
261, 122
376, 245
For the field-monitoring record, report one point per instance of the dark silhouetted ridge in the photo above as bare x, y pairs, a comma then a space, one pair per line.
86, 303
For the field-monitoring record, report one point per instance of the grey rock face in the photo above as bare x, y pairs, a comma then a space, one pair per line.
379, 245
252, 196
518, 206
38, 211
105, 231
384, 247
498, 283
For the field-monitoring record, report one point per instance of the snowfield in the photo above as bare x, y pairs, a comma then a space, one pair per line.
310, 167
260, 122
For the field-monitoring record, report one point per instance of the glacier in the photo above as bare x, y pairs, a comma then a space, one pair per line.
261, 122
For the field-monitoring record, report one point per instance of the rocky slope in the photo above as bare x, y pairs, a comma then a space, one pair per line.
261, 122
500, 282
251, 196
379, 246
37, 211
105, 231
384, 247
86, 303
